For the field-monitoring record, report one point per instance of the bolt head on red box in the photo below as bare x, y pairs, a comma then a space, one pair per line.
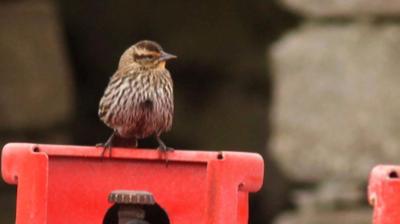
384, 194
71, 184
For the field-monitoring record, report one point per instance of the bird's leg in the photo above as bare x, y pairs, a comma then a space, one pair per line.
108, 144
135, 144
161, 145
163, 148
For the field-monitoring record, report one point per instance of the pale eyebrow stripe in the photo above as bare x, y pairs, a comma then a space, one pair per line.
146, 55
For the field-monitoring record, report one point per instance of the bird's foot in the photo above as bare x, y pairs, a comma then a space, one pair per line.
161, 145
164, 148
107, 145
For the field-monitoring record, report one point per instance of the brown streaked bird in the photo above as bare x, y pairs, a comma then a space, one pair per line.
138, 101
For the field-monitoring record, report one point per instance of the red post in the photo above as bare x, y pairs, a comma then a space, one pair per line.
384, 194
70, 184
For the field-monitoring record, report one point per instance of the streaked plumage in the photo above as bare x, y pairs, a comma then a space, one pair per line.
138, 101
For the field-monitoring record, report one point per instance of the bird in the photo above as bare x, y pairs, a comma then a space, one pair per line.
138, 101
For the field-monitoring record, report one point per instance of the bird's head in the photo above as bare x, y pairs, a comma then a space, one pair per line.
145, 53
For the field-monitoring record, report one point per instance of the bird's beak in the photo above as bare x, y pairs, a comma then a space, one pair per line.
166, 56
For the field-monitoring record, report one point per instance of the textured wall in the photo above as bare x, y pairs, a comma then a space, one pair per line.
336, 110
343, 8
335, 114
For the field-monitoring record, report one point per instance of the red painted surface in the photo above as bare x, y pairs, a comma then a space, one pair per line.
70, 184
384, 194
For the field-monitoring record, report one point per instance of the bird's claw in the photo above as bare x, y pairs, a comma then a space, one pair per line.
105, 148
107, 145
164, 148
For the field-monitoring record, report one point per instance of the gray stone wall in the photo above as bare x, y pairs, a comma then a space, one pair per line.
343, 8
336, 105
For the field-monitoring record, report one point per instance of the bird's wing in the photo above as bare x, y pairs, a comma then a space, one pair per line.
115, 91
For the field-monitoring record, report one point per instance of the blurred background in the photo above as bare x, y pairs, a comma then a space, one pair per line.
310, 85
